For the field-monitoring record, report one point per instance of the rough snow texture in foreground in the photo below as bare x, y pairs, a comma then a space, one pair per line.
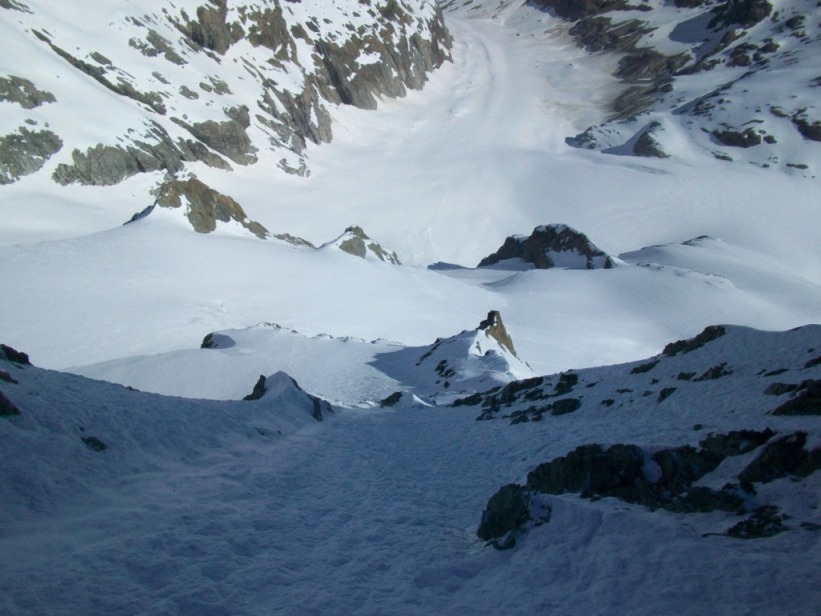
232, 507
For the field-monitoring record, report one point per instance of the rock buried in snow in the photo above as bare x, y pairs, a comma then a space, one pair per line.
7, 407
281, 386
552, 246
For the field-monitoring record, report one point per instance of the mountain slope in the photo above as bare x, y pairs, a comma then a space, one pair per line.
211, 514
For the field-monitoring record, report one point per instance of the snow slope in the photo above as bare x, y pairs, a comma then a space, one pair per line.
202, 507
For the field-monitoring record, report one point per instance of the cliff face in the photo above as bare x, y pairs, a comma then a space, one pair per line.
214, 81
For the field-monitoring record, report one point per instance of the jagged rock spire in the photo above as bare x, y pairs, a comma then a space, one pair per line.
494, 328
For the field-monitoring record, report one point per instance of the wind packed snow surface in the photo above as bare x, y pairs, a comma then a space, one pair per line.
143, 504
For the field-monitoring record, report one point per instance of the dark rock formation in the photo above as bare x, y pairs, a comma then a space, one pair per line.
7, 407
552, 246
765, 521
121, 87
205, 206
228, 138
622, 471
745, 13
808, 128
156, 45
217, 341
258, 391
736, 442
391, 400
738, 139
576, 9
105, 165
599, 34
710, 333
495, 328
506, 512
782, 457
211, 29
805, 401
25, 152
93, 443
23, 92
589, 469
8, 353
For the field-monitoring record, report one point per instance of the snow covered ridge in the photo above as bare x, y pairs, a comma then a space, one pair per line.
735, 79
347, 371
194, 504
61, 417
755, 395
93, 93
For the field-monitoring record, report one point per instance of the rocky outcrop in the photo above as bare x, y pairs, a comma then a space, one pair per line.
647, 146
809, 129
205, 206
228, 138
356, 242
25, 152
710, 333
805, 399
105, 165
551, 246
7, 407
661, 479
23, 92
210, 29
738, 139
744, 13
577, 9
506, 513
495, 328
12, 355
258, 391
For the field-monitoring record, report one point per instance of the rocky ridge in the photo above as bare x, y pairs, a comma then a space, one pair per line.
204, 81
775, 380
735, 76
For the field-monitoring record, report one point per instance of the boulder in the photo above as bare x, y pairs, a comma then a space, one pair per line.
506, 512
